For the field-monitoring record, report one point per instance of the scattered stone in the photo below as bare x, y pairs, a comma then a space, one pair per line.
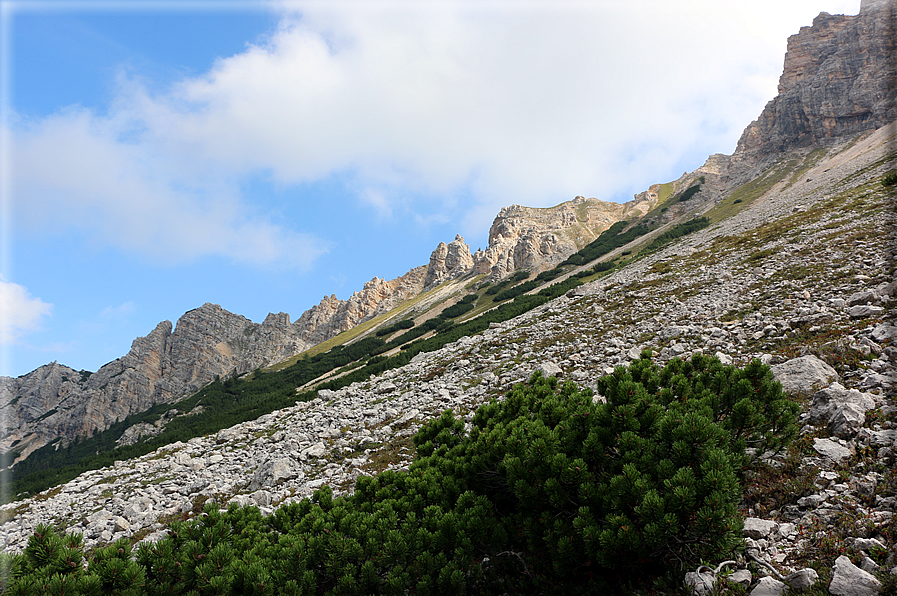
850, 580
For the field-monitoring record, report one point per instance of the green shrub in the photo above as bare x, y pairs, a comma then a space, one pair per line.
53, 564
690, 192
549, 490
889, 179
403, 324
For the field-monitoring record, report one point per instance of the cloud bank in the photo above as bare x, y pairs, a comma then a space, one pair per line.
20, 312
412, 104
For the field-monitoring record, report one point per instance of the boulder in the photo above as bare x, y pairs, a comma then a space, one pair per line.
803, 579
273, 472
862, 311
803, 375
757, 528
850, 580
768, 586
832, 450
550, 369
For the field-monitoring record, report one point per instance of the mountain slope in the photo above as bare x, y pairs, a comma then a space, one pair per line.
795, 263
768, 283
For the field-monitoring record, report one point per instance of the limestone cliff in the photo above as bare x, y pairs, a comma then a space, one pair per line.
838, 80
448, 261
56, 401
333, 316
527, 237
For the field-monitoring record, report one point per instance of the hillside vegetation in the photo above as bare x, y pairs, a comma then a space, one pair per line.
550, 489
673, 452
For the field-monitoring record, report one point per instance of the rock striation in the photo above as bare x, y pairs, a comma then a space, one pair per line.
529, 238
838, 80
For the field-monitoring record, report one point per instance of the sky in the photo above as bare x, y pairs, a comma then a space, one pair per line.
156, 155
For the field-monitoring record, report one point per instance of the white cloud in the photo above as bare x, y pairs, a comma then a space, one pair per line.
504, 102
77, 170
20, 312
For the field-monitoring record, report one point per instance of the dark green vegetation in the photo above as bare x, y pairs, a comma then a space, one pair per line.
549, 491
689, 192
677, 231
229, 402
403, 324
611, 238
889, 179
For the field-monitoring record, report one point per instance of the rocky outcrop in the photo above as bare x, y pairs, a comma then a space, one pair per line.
333, 316
838, 80
708, 298
528, 237
448, 261
56, 402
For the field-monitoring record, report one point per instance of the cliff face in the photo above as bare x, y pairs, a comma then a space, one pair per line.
838, 80
333, 316
526, 237
56, 401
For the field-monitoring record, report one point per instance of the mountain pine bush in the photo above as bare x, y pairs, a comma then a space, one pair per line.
548, 489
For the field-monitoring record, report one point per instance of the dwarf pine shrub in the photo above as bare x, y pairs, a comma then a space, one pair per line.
548, 489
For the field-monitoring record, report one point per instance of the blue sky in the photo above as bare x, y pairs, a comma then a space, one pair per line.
158, 155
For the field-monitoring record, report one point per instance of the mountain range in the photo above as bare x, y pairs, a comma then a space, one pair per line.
795, 263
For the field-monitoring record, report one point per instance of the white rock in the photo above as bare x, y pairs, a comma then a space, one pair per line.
830, 449
850, 580
768, 586
757, 528
804, 374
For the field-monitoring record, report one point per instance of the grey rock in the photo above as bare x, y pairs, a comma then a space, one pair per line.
700, 583
757, 528
768, 586
868, 565
884, 332
803, 579
273, 472
850, 580
803, 375
550, 369
742, 577
863, 311
864, 544
834, 451
121, 524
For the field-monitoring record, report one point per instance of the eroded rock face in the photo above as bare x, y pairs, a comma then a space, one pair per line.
333, 316
448, 261
56, 401
528, 237
838, 81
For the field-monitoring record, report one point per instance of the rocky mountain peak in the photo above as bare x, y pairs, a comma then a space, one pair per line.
529, 237
448, 261
838, 80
